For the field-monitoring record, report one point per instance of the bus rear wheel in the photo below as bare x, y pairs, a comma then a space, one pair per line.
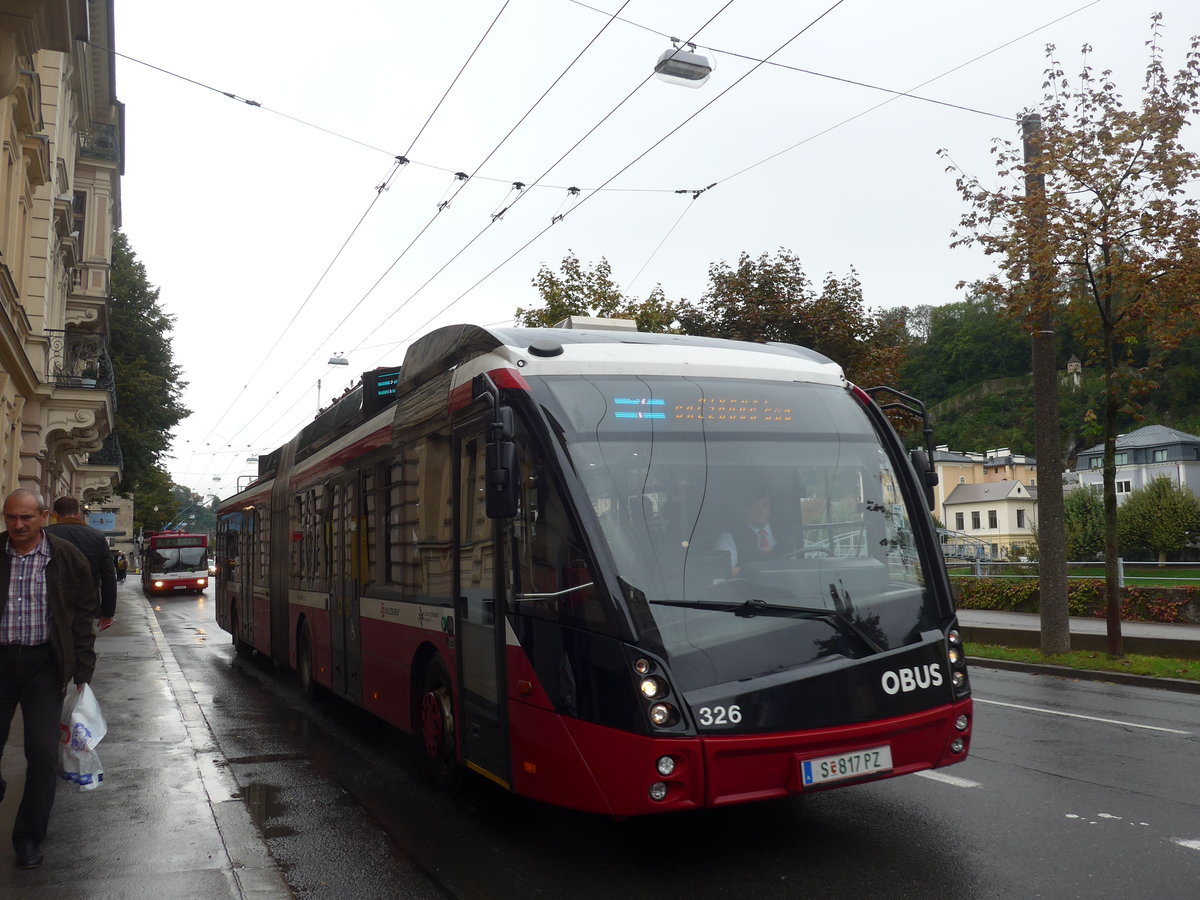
437, 724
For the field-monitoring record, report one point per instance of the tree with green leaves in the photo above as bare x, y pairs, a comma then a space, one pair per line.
1158, 520
578, 290
1083, 518
1112, 241
147, 380
770, 298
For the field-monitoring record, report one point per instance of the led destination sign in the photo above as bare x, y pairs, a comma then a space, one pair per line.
706, 409
179, 541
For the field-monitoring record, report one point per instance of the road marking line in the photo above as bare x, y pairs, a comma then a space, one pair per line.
1183, 842
949, 779
1055, 712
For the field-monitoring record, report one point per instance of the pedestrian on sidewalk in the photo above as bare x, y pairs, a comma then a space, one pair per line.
94, 545
47, 607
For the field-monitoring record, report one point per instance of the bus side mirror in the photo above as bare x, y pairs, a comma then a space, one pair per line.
926, 474
503, 479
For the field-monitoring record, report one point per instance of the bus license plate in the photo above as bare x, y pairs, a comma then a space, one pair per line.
847, 765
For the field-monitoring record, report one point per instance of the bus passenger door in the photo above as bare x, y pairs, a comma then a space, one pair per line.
245, 577
345, 675
480, 589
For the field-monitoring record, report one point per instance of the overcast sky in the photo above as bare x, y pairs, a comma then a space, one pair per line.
237, 211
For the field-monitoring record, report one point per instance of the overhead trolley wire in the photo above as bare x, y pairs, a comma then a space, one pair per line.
445, 204
558, 217
618, 173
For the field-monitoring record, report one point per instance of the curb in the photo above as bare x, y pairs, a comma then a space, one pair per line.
1164, 684
249, 861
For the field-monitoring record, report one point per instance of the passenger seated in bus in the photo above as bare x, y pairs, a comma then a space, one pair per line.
752, 538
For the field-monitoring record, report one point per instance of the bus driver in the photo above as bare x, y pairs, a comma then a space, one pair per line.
751, 539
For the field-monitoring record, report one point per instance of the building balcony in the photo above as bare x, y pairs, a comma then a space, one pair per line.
78, 359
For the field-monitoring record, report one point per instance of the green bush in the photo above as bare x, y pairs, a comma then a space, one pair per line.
1085, 597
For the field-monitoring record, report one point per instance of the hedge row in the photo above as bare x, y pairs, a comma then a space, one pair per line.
1085, 597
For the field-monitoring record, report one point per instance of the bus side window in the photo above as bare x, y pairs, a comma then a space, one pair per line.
550, 555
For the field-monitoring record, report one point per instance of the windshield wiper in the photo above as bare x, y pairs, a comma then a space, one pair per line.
840, 619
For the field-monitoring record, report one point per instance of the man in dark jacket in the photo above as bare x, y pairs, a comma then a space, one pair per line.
94, 545
47, 608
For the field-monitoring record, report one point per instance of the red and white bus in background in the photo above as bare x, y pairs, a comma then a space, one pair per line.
174, 561
517, 546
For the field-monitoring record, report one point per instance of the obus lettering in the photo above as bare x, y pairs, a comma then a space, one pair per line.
912, 679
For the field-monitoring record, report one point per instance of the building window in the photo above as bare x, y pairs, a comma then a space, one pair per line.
1123, 487
995, 551
1122, 459
1095, 462
1033, 482
1160, 455
958, 521
962, 479
992, 521
1020, 518
975, 519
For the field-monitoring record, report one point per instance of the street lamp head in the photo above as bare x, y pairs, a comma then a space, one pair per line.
683, 66
338, 360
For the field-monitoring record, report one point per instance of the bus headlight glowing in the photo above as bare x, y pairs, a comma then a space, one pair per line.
643, 666
658, 791
956, 745
158, 584
955, 656
662, 714
651, 688
665, 765
961, 723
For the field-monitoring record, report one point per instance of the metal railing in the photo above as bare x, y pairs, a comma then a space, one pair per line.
78, 359
1130, 573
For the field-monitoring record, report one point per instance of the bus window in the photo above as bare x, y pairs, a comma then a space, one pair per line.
551, 559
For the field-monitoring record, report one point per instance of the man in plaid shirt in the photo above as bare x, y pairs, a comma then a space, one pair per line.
47, 605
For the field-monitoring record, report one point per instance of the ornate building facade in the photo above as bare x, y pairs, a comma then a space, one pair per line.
60, 169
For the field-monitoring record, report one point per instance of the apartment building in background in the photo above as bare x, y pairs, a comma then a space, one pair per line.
60, 199
989, 499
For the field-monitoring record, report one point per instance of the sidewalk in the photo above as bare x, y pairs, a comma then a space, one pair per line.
168, 820
1024, 630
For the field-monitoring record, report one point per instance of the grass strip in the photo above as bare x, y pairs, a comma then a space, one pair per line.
1132, 663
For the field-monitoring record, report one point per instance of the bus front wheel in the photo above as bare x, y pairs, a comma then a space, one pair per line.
437, 724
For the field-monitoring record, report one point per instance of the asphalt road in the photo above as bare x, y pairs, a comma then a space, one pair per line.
1073, 789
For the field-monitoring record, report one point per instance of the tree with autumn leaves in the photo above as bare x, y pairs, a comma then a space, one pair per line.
1111, 244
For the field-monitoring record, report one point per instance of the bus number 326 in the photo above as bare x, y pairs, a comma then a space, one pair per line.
719, 715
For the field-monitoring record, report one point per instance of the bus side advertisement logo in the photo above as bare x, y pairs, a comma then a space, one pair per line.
912, 679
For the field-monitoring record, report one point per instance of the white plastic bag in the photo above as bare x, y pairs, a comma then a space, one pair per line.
82, 728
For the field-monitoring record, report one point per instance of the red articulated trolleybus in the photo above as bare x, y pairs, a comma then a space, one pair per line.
528, 548
174, 561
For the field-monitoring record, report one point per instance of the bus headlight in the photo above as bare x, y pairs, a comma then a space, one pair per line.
955, 656
663, 714
960, 723
658, 791
665, 765
643, 666
959, 679
956, 745
651, 688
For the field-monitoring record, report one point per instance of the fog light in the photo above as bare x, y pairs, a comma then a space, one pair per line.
651, 688
658, 791
961, 723
959, 679
662, 714
953, 636
665, 765
643, 667
202, 581
955, 656
956, 745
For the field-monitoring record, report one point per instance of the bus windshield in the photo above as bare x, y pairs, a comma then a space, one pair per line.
165, 560
761, 523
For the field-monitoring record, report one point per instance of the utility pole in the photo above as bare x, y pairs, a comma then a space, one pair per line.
1052, 554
